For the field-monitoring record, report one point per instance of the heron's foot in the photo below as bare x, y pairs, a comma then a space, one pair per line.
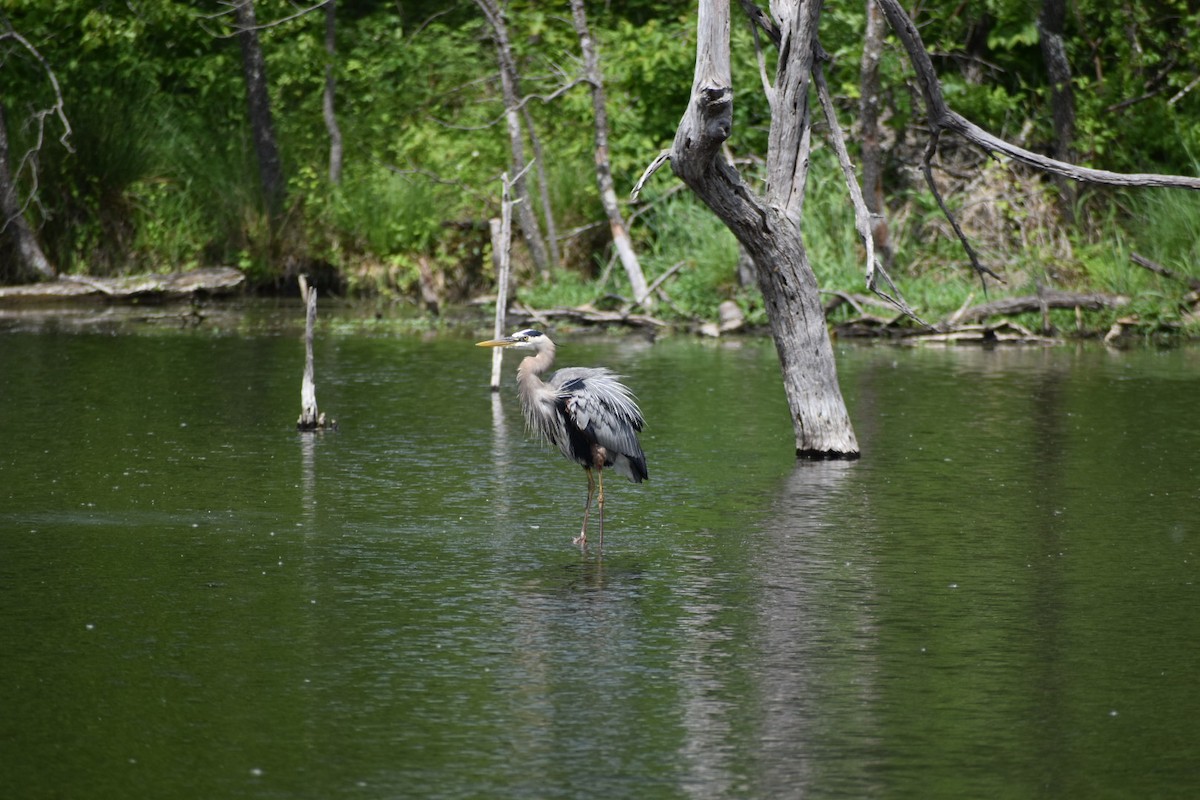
580, 540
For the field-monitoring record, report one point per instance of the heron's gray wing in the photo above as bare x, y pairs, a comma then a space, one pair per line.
602, 409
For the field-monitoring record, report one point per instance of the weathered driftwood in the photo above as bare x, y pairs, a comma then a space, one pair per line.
207, 281
1122, 329
898, 329
311, 419
1006, 332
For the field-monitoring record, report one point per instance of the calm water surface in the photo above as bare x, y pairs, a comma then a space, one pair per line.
998, 600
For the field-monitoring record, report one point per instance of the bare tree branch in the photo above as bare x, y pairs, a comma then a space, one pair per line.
927, 171
30, 258
259, 26
56, 109
862, 215
941, 118
1159, 269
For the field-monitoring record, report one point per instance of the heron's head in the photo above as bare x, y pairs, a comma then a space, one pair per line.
528, 339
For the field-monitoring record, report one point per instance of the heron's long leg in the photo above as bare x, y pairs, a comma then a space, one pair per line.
600, 503
581, 539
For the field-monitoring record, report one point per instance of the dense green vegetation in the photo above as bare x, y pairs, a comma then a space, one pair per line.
161, 172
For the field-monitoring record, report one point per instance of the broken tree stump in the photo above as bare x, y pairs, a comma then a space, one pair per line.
311, 419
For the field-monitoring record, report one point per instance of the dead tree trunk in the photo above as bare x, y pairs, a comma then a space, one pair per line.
531, 232
254, 69
31, 262
331, 123
608, 194
769, 228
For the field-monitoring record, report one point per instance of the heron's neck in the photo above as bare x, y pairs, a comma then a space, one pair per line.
532, 367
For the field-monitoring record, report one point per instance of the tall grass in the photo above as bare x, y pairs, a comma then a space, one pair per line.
1162, 225
84, 192
681, 228
200, 204
386, 213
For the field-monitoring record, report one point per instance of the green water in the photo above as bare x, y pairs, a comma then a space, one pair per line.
998, 600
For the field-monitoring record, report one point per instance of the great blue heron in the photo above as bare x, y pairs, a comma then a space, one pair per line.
584, 411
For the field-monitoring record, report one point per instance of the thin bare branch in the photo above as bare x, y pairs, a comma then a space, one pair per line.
1184, 91
760, 20
927, 171
261, 26
862, 215
1159, 269
56, 109
666, 275
662, 158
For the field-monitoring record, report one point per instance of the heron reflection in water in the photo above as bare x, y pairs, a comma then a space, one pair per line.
583, 411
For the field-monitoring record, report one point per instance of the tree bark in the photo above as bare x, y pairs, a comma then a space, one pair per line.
539, 167
327, 109
1058, 68
608, 194
258, 99
769, 229
31, 262
526, 218
1062, 96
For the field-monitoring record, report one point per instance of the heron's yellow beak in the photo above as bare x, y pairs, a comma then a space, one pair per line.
507, 341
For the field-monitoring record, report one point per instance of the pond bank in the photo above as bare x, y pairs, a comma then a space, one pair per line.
219, 294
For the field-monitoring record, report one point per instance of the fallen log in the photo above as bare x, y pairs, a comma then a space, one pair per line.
1051, 298
207, 281
587, 314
